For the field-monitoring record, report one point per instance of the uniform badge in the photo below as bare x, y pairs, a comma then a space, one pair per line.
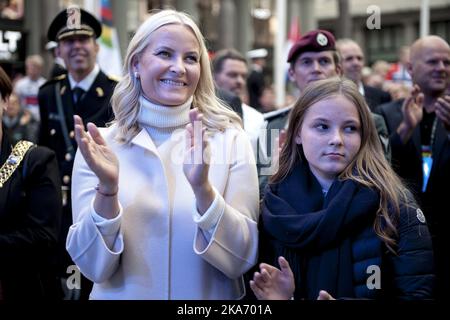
420, 216
321, 39
100, 92
73, 17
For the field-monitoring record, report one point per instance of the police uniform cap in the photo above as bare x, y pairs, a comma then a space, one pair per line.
313, 41
51, 45
59, 28
257, 53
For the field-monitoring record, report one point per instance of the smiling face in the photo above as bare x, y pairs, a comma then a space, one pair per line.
430, 66
79, 54
330, 136
169, 67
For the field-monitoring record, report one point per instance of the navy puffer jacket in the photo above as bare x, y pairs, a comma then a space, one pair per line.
407, 274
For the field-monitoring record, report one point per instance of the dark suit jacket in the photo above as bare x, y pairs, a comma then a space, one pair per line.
407, 162
30, 212
232, 100
375, 97
255, 87
93, 107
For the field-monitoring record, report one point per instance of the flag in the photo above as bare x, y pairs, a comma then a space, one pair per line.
109, 57
293, 35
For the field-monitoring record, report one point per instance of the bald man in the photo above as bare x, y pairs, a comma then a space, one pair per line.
419, 129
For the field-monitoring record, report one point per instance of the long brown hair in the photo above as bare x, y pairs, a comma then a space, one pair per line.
369, 167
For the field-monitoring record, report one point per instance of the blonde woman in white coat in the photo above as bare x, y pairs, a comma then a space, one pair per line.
178, 220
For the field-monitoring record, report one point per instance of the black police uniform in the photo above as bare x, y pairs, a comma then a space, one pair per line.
58, 106
57, 128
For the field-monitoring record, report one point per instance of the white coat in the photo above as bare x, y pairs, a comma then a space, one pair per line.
154, 249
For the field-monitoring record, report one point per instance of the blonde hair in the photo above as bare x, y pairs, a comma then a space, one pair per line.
369, 167
125, 100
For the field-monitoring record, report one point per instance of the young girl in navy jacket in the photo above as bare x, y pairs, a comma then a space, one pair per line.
335, 218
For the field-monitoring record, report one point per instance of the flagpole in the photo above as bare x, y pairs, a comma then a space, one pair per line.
109, 56
279, 56
424, 18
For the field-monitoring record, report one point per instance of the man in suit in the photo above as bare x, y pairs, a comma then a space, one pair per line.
352, 59
230, 72
85, 91
419, 128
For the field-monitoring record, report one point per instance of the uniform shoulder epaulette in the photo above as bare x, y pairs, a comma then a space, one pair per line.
60, 77
277, 113
113, 78
55, 79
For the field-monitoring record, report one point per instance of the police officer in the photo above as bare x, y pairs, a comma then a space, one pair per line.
85, 91
313, 57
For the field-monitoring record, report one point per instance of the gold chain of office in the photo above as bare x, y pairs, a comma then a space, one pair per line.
14, 160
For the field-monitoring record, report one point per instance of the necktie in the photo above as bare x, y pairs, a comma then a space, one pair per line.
77, 94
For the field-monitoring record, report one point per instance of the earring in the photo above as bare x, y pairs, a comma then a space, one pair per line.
136, 75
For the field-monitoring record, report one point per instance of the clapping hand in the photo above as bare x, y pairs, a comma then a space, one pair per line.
100, 159
413, 108
442, 110
196, 161
323, 295
272, 283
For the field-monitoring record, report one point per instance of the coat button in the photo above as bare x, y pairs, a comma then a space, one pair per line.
68, 157
52, 132
66, 179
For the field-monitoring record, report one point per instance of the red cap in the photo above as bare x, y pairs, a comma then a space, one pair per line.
313, 41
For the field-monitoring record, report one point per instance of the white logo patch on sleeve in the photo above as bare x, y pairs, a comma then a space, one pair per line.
420, 216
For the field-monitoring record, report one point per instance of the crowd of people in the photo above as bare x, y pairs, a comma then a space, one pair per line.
118, 188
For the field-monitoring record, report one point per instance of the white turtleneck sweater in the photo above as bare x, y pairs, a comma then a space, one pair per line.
161, 121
